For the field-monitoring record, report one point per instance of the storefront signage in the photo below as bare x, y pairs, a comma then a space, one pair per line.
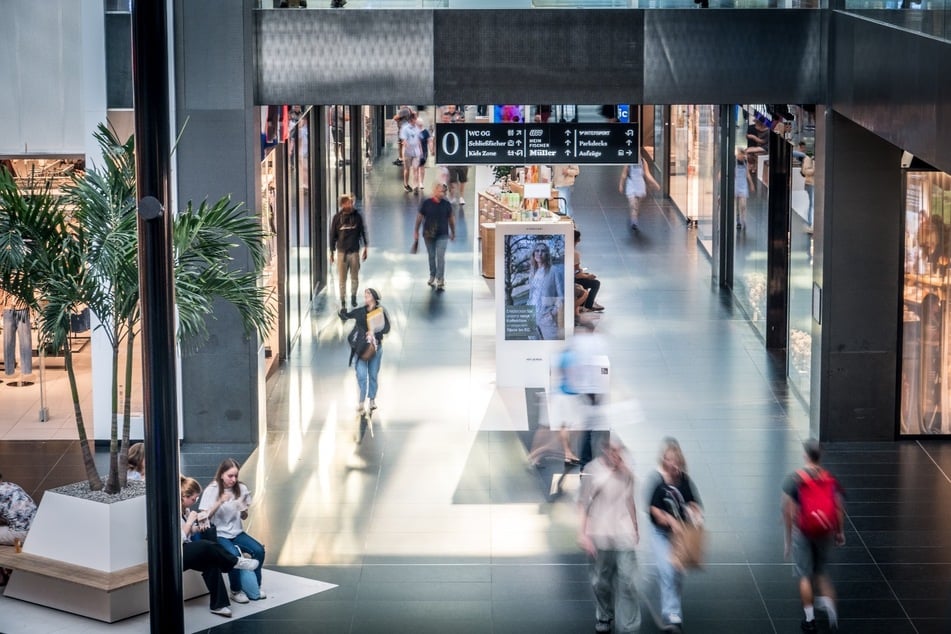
548, 143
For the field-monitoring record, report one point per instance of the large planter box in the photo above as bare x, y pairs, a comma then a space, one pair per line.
105, 537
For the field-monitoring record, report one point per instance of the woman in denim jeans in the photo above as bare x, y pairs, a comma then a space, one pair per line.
368, 369
672, 496
226, 501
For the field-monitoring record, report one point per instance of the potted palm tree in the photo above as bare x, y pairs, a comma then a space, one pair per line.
62, 254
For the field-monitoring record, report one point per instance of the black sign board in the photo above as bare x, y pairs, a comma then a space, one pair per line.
527, 144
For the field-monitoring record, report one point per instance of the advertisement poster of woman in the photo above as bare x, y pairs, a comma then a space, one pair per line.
534, 287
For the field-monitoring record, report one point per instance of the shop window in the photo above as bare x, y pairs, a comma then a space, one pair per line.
925, 390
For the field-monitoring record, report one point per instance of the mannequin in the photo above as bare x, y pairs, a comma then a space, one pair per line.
16, 329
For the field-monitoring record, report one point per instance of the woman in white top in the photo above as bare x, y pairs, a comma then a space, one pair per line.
226, 500
634, 183
209, 557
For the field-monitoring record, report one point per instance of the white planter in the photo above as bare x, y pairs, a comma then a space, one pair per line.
103, 537
107, 537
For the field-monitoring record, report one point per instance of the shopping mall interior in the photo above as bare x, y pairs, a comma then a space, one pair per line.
739, 327
436, 522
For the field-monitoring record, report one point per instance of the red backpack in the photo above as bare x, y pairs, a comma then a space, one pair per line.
818, 505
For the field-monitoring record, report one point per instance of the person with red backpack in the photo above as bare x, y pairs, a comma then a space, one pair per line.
813, 520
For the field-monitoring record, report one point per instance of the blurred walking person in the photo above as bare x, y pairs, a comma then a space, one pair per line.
673, 498
813, 519
609, 535
634, 182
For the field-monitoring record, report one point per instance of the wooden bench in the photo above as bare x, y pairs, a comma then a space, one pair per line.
105, 596
106, 581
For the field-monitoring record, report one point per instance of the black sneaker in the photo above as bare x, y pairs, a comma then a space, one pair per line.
398, 162
407, 188
809, 626
353, 301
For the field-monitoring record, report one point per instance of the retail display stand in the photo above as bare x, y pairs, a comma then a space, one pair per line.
533, 317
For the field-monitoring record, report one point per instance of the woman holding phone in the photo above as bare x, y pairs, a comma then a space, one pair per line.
226, 501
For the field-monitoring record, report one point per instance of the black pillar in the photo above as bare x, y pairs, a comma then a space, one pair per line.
725, 237
157, 300
777, 254
357, 150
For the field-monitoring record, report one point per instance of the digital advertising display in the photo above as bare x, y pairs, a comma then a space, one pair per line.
534, 286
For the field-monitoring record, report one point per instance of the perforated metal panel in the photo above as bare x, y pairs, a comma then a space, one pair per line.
352, 56
537, 56
735, 56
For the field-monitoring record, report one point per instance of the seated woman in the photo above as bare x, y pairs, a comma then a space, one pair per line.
208, 557
589, 281
226, 500
136, 462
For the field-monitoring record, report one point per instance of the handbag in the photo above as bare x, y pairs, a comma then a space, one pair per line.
359, 346
687, 546
368, 351
210, 533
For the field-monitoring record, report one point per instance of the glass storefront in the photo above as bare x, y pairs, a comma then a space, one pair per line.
287, 212
750, 213
694, 148
801, 212
268, 211
926, 321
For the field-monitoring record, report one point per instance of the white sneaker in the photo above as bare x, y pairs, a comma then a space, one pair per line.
827, 605
372, 404
246, 564
225, 612
261, 595
239, 597
462, 201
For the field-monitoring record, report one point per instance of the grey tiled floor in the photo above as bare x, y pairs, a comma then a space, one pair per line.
434, 524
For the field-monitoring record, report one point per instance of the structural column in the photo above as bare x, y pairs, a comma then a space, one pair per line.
857, 270
218, 154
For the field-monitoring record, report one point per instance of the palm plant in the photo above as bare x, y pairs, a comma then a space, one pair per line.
41, 264
92, 261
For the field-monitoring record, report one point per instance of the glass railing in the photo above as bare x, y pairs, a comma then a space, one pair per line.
542, 4
929, 17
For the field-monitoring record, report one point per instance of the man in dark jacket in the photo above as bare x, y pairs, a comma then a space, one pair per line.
347, 231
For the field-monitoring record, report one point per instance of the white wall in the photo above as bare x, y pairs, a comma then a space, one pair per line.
49, 89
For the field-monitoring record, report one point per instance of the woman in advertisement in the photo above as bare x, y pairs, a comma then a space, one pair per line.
546, 293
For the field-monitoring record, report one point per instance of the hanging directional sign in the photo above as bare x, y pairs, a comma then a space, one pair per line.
547, 143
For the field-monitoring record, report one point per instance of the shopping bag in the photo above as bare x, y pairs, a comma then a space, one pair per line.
687, 547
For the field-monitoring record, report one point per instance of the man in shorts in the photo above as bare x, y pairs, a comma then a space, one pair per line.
810, 555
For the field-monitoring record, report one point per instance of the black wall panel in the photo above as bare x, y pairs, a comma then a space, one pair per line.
893, 83
539, 56
119, 60
359, 56
736, 56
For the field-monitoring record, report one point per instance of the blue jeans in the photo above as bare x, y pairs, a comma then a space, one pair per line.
367, 372
811, 192
247, 580
671, 580
16, 328
436, 248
